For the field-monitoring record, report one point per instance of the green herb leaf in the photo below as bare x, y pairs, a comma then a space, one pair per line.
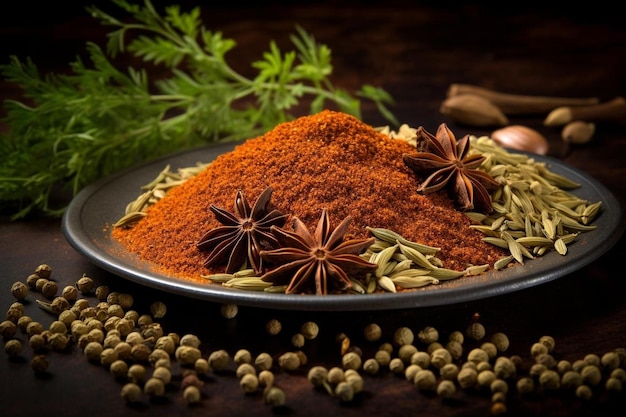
73, 129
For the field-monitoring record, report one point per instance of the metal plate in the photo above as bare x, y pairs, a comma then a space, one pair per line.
101, 204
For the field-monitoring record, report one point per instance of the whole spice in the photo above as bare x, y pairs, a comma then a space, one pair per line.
510, 103
522, 138
473, 110
610, 111
323, 259
243, 234
329, 160
578, 132
447, 163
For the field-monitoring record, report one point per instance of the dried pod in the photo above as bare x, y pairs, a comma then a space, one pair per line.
610, 111
578, 132
521, 138
473, 110
519, 103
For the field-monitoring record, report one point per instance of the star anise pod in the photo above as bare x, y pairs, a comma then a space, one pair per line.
320, 261
447, 164
245, 232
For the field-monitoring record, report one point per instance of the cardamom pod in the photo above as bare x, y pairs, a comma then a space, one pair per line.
473, 110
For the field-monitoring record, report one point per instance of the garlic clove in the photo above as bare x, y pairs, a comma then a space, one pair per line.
578, 132
521, 138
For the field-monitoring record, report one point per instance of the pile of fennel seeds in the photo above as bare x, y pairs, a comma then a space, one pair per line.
535, 212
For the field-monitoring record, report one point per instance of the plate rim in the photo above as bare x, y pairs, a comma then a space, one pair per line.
481, 287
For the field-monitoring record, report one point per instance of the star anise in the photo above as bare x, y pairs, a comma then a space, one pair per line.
321, 261
447, 164
245, 232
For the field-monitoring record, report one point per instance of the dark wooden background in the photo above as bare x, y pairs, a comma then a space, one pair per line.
414, 50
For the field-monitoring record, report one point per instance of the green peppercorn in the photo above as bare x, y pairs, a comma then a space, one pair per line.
119, 368
485, 377
263, 361
548, 341
613, 384
477, 355
163, 373
58, 341
154, 387
501, 341
467, 377
584, 392
13, 348
317, 375
449, 371
131, 392
249, 383
406, 351
39, 364
446, 388
137, 373
440, 357
289, 361
396, 366
428, 335
19, 290
335, 375
525, 385
59, 304
85, 284
371, 366
550, 380
93, 350
499, 385
372, 332
344, 391
192, 394
591, 375
140, 352
421, 359
44, 271
266, 378
67, 317
475, 331
245, 368
188, 355
34, 327
190, 340
275, 397
102, 292
403, 336
49, 289
355, 379
297, 340
158, 309
107, 357
157, 354
8, 329
383, 357
37, 343
31, 281
273, 327
610, 360
229, 310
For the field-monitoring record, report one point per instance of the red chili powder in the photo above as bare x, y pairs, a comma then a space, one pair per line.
329, 160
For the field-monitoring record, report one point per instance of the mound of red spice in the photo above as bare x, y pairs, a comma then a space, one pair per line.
328, 160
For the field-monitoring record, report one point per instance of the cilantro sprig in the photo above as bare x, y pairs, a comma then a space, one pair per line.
73, 128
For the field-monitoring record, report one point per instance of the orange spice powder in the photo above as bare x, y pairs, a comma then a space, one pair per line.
329, 160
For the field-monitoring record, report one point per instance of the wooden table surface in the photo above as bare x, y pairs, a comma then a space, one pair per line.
414, 52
